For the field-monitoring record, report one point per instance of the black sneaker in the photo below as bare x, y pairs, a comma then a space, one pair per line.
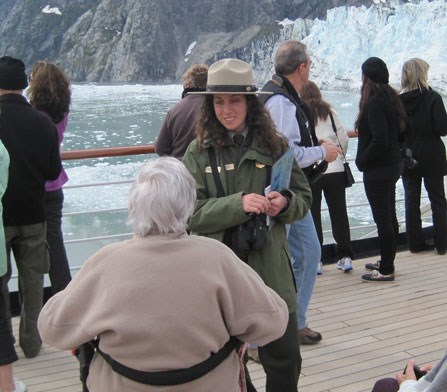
373, 266
376, 276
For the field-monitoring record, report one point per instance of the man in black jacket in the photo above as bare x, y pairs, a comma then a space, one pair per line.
32, 143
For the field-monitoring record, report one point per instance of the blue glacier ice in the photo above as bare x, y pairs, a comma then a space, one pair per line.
391, 31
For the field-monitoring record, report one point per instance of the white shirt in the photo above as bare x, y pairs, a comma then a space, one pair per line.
324, 131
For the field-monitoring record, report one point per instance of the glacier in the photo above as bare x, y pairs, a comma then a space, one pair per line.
386, 29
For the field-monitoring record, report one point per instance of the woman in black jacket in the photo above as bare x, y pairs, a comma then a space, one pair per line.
380, 124
428, 117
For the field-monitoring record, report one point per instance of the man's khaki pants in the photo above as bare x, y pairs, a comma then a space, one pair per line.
28, 244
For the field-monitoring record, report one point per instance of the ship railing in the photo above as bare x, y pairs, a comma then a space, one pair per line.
370, 228
149, 149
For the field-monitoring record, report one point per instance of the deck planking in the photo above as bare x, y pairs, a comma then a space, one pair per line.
370, 330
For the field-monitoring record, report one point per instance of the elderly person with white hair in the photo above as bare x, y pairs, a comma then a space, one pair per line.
164, 301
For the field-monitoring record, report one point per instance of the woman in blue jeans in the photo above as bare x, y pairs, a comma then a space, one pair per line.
381, 124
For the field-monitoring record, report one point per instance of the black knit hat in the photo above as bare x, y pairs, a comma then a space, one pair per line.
375, 69
12, 74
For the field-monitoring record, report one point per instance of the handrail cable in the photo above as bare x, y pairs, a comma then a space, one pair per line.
150, 149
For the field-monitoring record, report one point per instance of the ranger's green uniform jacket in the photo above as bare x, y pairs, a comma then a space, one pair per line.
213, 215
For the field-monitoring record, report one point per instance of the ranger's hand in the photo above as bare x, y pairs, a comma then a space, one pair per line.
277, 203
253, 202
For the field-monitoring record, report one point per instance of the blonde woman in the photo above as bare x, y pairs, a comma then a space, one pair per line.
428, 117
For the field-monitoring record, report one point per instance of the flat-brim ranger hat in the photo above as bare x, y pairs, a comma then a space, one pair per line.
230, 76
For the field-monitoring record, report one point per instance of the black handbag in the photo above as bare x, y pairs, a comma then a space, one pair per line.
349, 178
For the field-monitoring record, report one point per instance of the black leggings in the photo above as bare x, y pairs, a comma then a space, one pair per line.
333, 187
382, 199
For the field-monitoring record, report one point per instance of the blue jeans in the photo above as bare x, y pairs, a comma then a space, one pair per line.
306, 254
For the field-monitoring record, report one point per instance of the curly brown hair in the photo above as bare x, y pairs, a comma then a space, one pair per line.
49, 90
258, 119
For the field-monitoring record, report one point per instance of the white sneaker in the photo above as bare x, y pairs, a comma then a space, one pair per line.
320, 268
19, 385
344, 264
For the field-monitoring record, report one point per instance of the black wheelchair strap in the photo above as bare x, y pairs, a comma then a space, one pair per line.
173, 377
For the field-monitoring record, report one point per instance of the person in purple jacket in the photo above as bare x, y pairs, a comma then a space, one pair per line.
49, 91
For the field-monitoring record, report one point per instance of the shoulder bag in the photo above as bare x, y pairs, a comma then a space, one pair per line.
349, 178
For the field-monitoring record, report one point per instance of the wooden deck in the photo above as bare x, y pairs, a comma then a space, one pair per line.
370, 330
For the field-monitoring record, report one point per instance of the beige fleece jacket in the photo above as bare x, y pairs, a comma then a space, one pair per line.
163, 303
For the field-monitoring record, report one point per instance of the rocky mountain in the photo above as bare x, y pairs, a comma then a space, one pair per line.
147, 40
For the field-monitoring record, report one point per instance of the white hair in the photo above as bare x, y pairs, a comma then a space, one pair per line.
162, 198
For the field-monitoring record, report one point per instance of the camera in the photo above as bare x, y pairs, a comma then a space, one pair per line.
409, 161
317, 172
417, 372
